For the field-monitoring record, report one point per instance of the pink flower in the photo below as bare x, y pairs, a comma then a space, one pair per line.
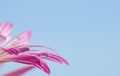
19, 50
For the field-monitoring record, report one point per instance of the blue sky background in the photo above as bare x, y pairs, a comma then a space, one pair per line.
85, 32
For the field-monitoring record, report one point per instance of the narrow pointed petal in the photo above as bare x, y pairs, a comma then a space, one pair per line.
21, 39
49, 56
6, 28
25, 37
57, 57
36, 45
20, 71
16, 50
43, 67
31, 60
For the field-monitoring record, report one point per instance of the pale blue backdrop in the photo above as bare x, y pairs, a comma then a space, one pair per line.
85, 32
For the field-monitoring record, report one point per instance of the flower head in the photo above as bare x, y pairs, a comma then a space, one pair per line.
19, 50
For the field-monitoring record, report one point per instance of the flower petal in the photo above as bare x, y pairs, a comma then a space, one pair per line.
31, 60
6, 28
16, 50
21, 39
20, 71
48, 55
37, 45
53, 56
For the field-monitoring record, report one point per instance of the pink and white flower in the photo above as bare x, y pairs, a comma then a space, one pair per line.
19, 50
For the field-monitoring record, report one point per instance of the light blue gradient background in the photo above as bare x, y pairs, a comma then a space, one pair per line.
85, 32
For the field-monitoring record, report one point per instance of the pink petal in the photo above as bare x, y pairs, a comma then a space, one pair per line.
57, 57
20, 72
31, 60
25, 37
43, 67
21, 39
37, 45
16, 50
6, 28
48, 55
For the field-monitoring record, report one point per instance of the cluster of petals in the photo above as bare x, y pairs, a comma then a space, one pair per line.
19, 50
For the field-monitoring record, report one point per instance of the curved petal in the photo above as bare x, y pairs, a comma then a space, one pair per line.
16, 50
31, 60
6, 28
21, 39
53, 56
37, 45
20, 71
48, 55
